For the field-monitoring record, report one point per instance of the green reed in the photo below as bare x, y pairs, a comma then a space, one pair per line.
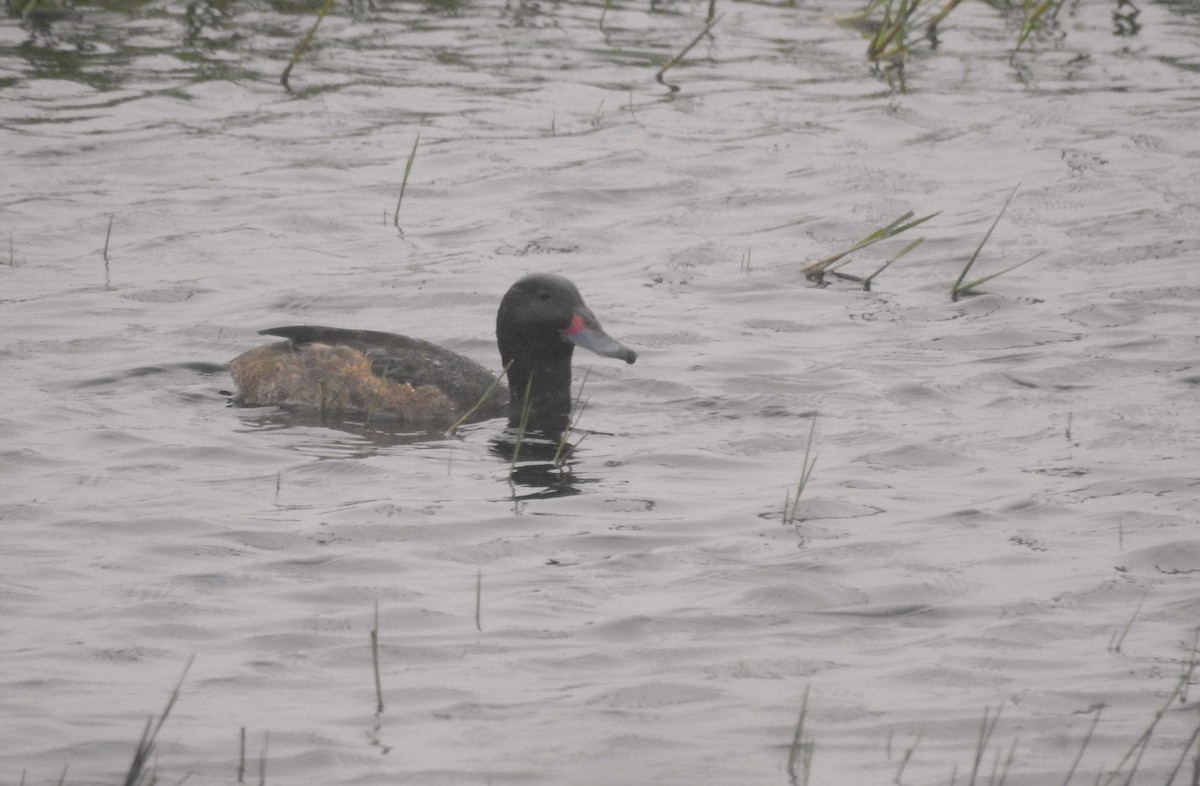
1033, 13
564, 445
376, 399
303, 45
404, 181
893, 37
138, 775
107, 236
241, 776
658, 76
987, 727
1087, 738
375, 661
800, 754
485, 398
959, 287
1114, 644
816, 271
1133, 756
893, 27
906, 758
866, 282
104, 254
791, 504
1002, 759
522, 425
478, 599
262, 759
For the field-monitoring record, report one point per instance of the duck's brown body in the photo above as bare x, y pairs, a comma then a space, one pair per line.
413, 384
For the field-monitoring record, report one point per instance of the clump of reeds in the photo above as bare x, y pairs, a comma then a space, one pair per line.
816, 271
1126, 767
893, 27
893, 36
1133, 756
986, 728
832, 265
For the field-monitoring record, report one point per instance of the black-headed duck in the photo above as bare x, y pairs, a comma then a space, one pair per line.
416, 385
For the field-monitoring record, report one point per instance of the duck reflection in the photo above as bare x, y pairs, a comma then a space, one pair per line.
540, 462
536, 464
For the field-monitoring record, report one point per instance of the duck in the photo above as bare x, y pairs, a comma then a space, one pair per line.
415, 385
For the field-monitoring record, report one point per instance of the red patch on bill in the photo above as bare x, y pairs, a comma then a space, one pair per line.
576, 325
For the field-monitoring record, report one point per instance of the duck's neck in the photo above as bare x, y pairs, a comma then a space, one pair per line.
543, 387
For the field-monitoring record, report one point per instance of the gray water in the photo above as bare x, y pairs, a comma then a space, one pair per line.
1003, 510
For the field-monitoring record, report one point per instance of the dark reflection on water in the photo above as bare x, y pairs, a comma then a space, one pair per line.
375, 434
537, 467
540, 462
540, 466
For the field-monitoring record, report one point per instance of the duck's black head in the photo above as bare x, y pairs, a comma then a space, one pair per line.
542, 318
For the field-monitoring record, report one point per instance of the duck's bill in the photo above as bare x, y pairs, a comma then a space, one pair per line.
585, 331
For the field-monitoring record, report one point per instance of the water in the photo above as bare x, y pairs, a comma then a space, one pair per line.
1002, 483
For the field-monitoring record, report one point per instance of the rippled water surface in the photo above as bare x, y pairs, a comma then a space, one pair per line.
1003, 512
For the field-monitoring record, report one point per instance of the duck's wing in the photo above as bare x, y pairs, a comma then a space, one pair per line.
407, 360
